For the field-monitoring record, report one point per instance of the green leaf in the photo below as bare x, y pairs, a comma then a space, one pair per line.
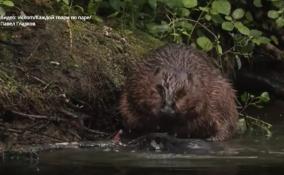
204, 9
219, 49
153, 3
66, 2
228, 26
185, 33
273, 14
257, 3
244, 97
189, 3
115, 4
238, 13
97, 19
91, 9
8, 3
261, 40
217, 19
213, 11
280, 22
242, 28
157, 28
208, 17
257, 106
183, 12
173, 3
255, 33
221, 6
229, 18
205, 43
2, 11
249, 16
274, 39
264, 97
113, 14
239, 62
177, 37
185, 25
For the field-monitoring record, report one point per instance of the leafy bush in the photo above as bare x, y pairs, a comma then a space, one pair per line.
225, 28
277, 13
229, 29
248, 99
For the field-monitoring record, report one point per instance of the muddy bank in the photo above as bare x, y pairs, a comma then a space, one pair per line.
60, 81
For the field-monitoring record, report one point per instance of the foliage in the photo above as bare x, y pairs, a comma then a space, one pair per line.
248, 99
63, 1
231, 29
252, 123
225, 28
277, 13
5, 4
228, 29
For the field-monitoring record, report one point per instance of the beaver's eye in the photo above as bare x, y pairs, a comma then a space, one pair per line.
180, 93
160, 89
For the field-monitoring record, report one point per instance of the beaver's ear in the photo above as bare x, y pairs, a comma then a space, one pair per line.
157, 70
160, 90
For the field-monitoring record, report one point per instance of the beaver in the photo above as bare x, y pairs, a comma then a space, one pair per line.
177, 89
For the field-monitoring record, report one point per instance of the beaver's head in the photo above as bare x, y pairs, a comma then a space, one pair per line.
175, 90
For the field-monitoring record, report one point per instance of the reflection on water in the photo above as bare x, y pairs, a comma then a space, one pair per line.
88, 162
246, 155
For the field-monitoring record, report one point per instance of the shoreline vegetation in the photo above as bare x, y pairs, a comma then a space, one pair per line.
60, 80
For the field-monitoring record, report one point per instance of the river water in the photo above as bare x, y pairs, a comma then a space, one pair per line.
244, 155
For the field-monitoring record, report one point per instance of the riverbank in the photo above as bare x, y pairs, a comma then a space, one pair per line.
60, 81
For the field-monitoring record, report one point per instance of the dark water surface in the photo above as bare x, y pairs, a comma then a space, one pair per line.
246, 155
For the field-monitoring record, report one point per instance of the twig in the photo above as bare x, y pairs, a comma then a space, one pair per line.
74, 134
46, 86
197, 22
30, 116
259, 123
70, 36
36, 124
96, 132
80, 117
18, 131
41, 117
11, 43
204, 27
46, 135
34, 50
69, 114
39, 80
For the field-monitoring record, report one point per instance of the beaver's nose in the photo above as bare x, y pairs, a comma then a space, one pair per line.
167, 111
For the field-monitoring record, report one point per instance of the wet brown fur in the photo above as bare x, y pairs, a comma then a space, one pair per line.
203, 100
